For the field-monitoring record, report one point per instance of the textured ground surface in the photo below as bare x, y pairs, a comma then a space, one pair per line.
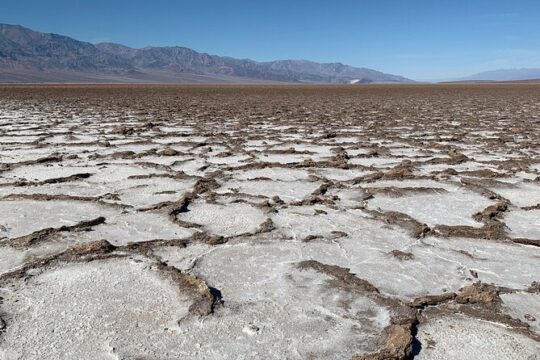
370, 222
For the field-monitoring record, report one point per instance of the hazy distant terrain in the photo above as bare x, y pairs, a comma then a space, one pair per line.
505, 75
30, 56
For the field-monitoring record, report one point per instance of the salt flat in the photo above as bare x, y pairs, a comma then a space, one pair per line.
272, 222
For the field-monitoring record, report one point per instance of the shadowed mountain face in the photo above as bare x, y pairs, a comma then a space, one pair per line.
30, 56
27, 49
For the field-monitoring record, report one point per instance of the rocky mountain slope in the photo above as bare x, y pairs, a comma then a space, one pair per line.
31, 56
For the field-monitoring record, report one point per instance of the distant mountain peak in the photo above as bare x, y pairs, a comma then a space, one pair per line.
517, 74
30, 56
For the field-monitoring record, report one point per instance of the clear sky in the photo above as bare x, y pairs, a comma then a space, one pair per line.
420, 39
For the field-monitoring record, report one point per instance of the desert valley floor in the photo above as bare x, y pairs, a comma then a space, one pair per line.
270, 222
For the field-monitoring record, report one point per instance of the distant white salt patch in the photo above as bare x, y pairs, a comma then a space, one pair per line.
284, 158
523, 306
229, 160
413, 183
274, 173
286, 190
381, 162
522, 194
341, 174
356, 152
226, 220
133, 227
460, 337
26, 216
439, 208
466, 166
523, 223
11, 259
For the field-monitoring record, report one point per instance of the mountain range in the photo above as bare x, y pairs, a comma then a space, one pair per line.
30, 56
505, 75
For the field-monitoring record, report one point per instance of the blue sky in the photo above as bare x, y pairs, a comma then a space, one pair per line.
420, 39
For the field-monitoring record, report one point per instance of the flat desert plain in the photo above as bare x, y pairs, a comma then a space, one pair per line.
270, 222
